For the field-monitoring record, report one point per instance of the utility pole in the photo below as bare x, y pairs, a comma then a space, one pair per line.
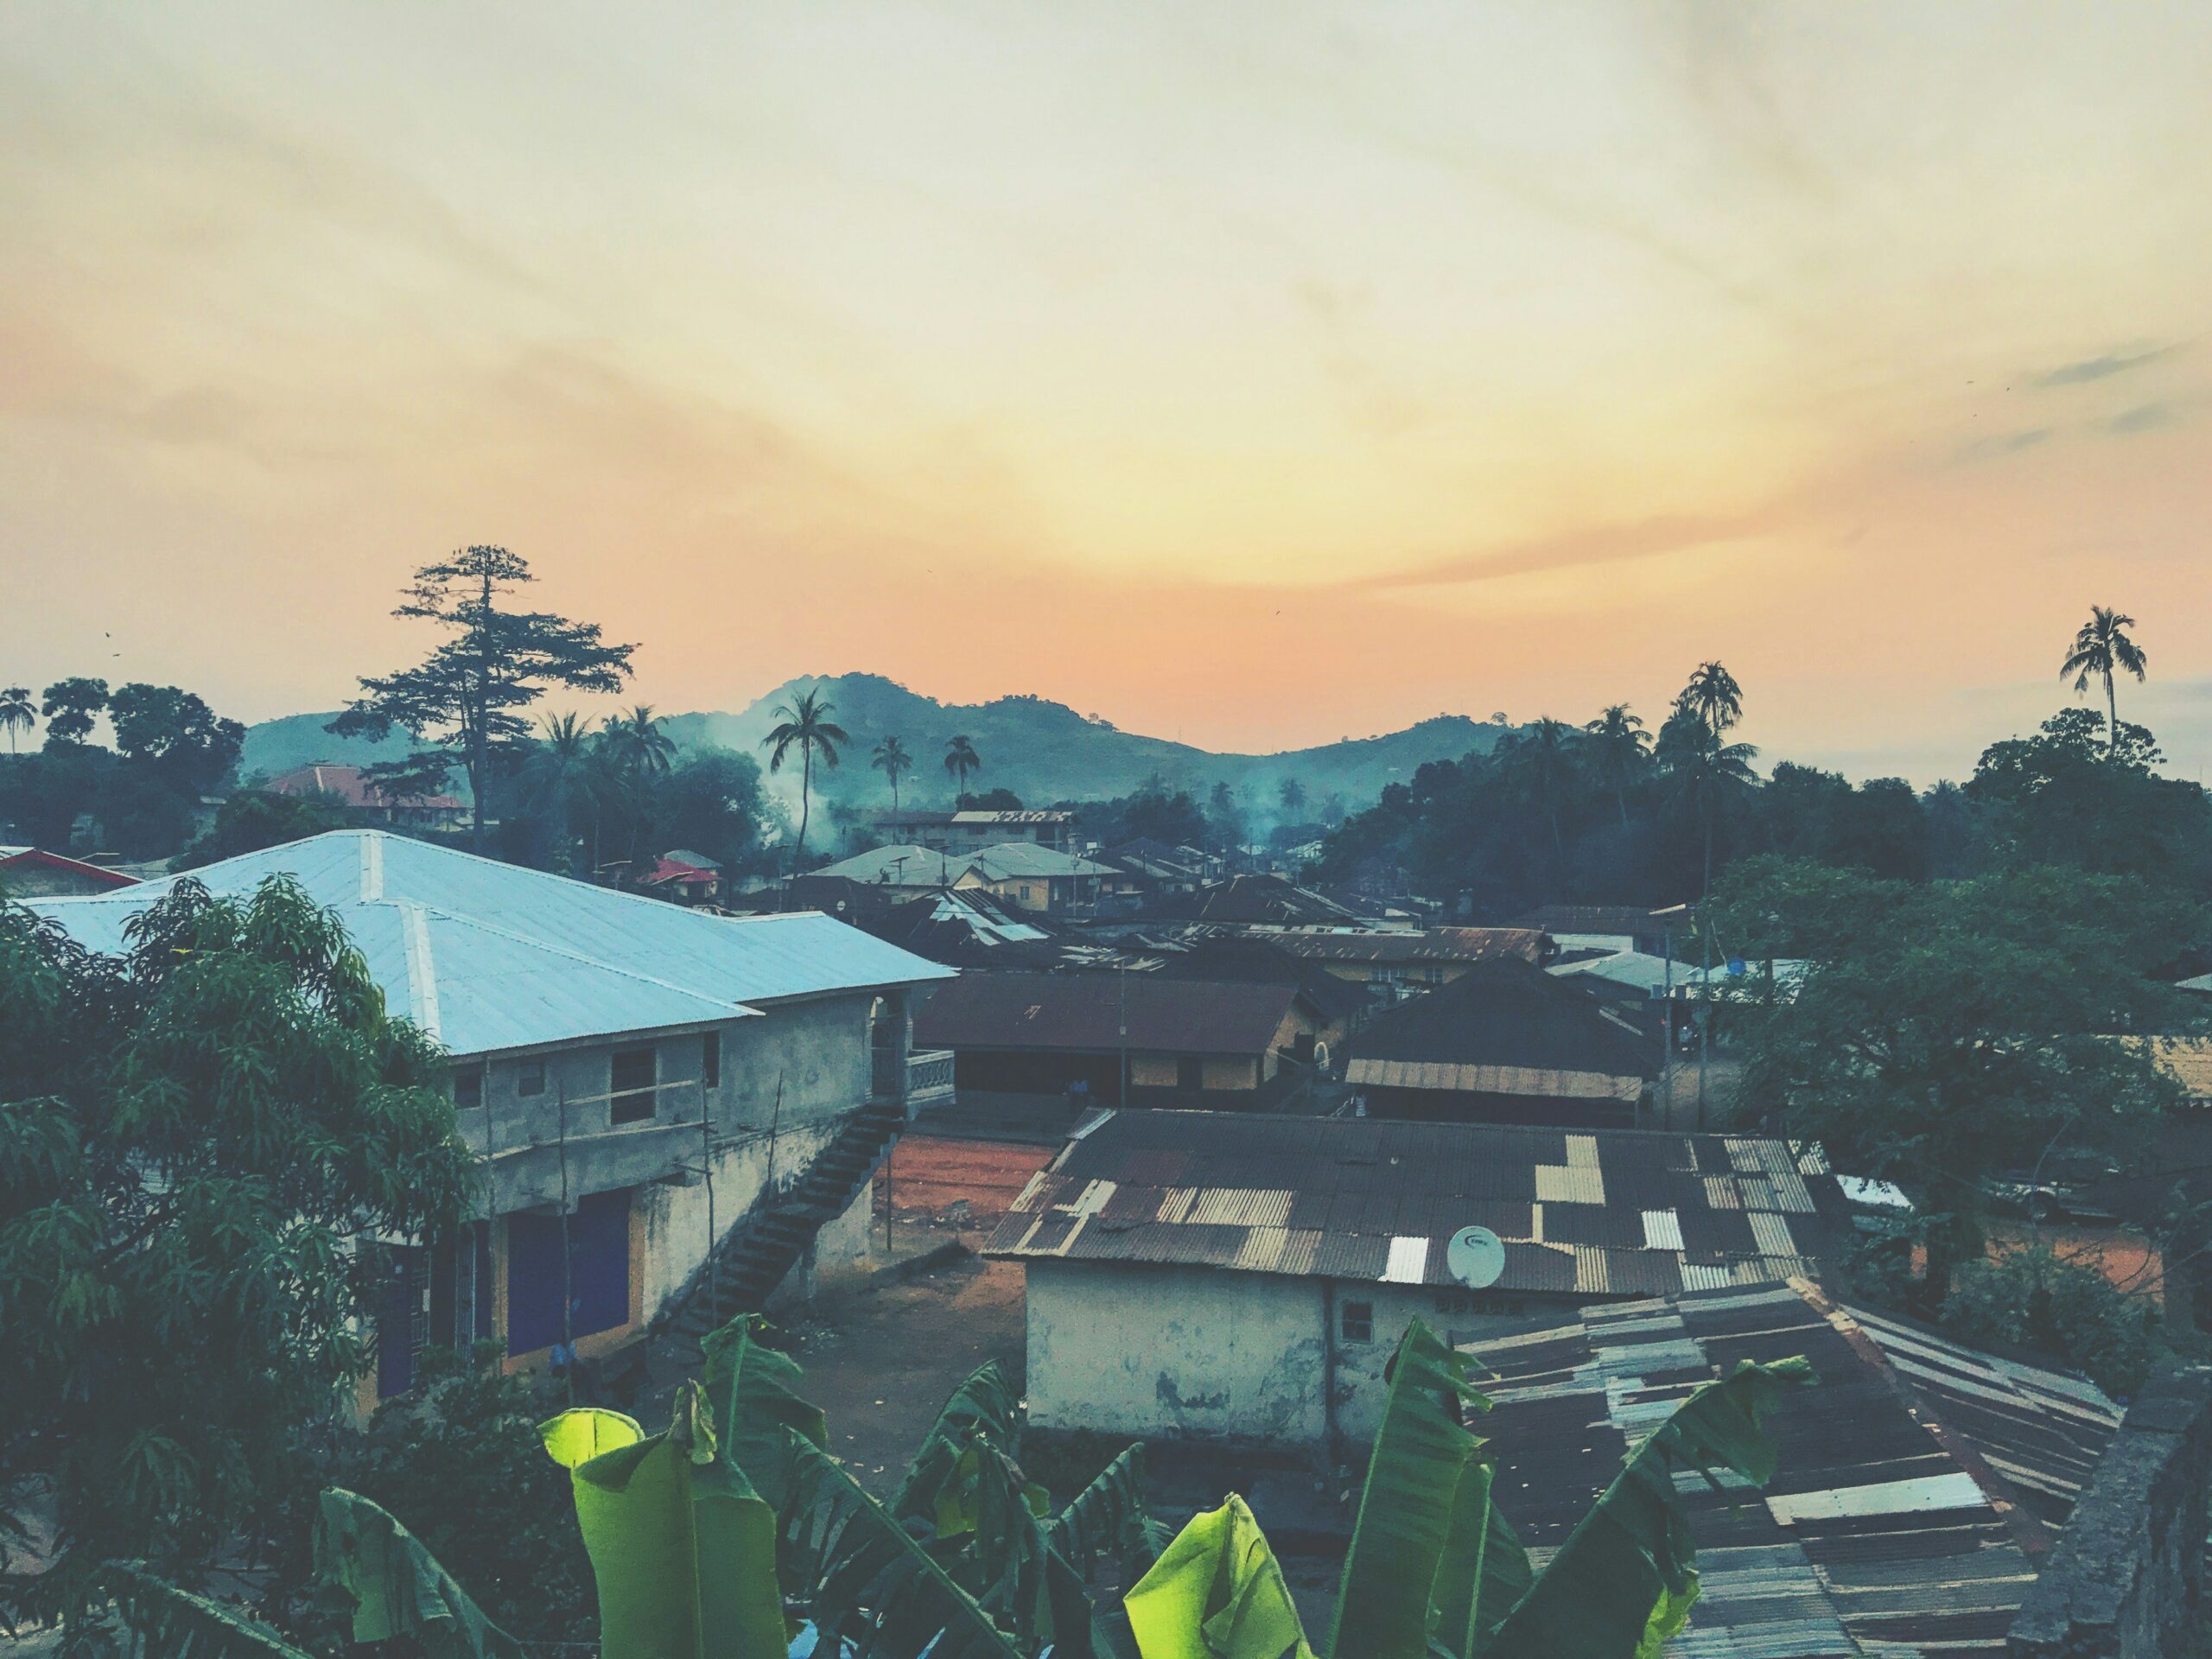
1667, 1027
568, 1289
1122, 990
1703, 1013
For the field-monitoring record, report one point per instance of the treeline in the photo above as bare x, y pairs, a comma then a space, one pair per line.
169, 750
1597, 814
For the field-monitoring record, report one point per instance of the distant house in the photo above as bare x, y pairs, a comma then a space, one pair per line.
1187, 1276
959, 927
1141, 872
1394, 962
1615, 927
369, 800
29, 873
1271, 901
1024, 875
597, 1038
1505, 1043
1165, 1042
686, 877
969, 831
1343, 1006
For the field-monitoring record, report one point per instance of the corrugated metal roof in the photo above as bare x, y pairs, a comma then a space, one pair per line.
490, 956
1918, 1483
1613, 1213
1086, 1012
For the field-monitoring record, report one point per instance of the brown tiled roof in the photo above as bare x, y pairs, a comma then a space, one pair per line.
1086, 1012
1608, 1213
1918, 1482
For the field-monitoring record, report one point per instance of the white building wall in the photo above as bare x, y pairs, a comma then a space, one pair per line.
1166, 1351
1170, 1351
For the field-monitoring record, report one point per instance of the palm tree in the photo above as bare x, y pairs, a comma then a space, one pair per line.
1713, 696
806, 726
1701, 769
1620, 747
557, 765
891, 759
1540, 758
638, 742
2102, 648
1292, 794
960, 760
17, 712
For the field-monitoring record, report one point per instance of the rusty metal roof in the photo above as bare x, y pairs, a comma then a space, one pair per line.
1086, 1012
1606, 1213
1919, 1483
1394, 945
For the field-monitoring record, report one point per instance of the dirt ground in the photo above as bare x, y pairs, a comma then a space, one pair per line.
880, 1363
930, 1174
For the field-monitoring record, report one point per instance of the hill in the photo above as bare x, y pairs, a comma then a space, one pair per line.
1043, 751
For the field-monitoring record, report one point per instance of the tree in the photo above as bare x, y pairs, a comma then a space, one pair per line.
1292, 795
197, 1139
961, 761
554, 776
71, 708
2102, 649
712, 802
1620, 749
2078, 795
806, 726
166, 726
637, 743
1713, 696
1540, 760
253, 819
1702, 773
891, 760
1944, 1032
463, 703
17, 712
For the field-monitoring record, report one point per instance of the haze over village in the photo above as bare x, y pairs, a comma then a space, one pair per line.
929, 832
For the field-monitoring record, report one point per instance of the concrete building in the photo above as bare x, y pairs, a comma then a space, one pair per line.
1155, 1040
1397, 963
1507, 1043
607, 1049
1020, 874
970, 831
1246, 1281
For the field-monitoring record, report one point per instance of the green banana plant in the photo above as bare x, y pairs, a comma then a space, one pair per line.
1434, 1569
397, 1586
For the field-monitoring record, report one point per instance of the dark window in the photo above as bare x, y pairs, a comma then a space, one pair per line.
634, 1075
710, 1060
1190, 1072
468, 1088
530, 1077
598, 1275
1356, 1321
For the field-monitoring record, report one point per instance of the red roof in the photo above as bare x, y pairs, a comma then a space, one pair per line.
98, 875
673, 869
349, 785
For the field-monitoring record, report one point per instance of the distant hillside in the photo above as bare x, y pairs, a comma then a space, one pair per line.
1042, 751
1045, 750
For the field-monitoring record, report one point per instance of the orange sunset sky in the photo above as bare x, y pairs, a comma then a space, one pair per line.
1253, 373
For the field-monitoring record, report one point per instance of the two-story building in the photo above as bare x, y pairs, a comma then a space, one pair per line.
971, 830
636, 1076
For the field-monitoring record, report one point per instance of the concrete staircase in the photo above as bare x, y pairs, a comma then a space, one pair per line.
754, 1255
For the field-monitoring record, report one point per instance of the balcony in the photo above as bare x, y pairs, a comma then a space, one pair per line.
928, 1082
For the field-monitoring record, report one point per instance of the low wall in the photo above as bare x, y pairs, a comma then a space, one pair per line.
2128, 1579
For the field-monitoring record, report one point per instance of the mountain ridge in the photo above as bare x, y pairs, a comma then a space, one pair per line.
1042, 750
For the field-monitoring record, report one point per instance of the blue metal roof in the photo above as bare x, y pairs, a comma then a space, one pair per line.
489, 956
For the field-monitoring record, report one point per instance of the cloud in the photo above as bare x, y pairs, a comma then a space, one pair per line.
1998, 445
2143, 417
1641, 538
2101, 368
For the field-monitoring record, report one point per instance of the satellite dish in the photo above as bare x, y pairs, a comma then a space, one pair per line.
1476, 1257
1320, 1057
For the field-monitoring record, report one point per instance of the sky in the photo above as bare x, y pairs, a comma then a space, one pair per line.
1255, 374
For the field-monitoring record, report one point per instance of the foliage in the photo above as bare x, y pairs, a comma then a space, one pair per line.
2034, 1297
891, 760
72, 708
2102, 649
192, 1136
961, 761
395, 1587
17, 712
459, 1458
1943, 1032
464, 703
803, 724
253, 819
170, 728
2063, 797
145, 1617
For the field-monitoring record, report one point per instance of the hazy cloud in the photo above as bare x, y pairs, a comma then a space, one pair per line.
2101, 368
1998, 445
2143, 417
1642, 538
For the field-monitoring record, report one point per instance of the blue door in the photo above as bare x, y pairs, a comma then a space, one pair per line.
403, 1320
598, 1276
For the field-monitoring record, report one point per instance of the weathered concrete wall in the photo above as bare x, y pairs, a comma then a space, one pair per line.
1460, 1318
676, 1217
2128, 1579
1174, 1351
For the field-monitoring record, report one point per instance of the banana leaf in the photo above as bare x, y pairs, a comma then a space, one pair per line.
984, 1404
1626, 1577
165, 1622
868, 1582
1216, 1592
1109, 1518
682, 1547
582, 1433
755, 1395
1424, 1540
396, 1586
